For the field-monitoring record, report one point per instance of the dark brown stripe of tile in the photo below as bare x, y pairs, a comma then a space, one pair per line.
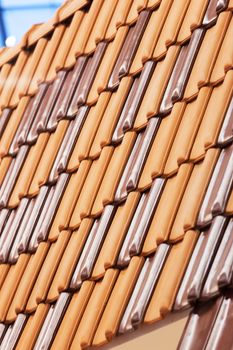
68, 144
199, 264
212, 11
92, 247
4, 118
87, 78
73, 77
220, 274
140, 223
132, 104
143, 290
181, 71
10, 231
47, 214
199, 326
28, 117
128, 50
46, 107
11, 176
226, 133
132, 172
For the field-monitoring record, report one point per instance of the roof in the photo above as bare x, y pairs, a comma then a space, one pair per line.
116, 174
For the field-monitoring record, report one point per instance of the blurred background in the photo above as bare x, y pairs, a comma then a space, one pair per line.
17, 16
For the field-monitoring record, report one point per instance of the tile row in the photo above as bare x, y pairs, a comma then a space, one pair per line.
127, 50
123, 174
145, 291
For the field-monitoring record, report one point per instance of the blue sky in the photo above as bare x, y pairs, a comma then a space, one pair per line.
17, 16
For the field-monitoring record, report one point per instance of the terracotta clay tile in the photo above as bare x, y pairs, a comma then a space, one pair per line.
10, 230
11, 176
165, 292
224, 61
48, 212
46, 59
219, 188
26, 283
4, 268
137, 231
4, 72
113, 173
156, 88
226, 132
31, 330
180, 74
117, 302
101, 24
43, 120
136, 7
27, 73
143, 290
10, 284
220, 273
66, 148
209, 49
5, 116
88, 76
106, 66
66, 93
47, 271
230, 5
200, 325
83, 33
153, 3
73, 316
26, 121
115, 235
186, 133
161, 146
193, 195
213, 118
134, 166
91, 187
229, 207
52, 147
92, 247
128, 50
13, 333
4, 166
33, 211
167, 208
132, 103
69, 199
192, 20
107, 125
12, 126
221, 335
87, 134
65, 45
171, 27
52, 321
12, 79
118, 18
69, 259
94, 310
22, 185
150, 36
213, 9
200, 262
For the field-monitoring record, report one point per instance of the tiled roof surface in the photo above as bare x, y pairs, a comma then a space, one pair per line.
116, 174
